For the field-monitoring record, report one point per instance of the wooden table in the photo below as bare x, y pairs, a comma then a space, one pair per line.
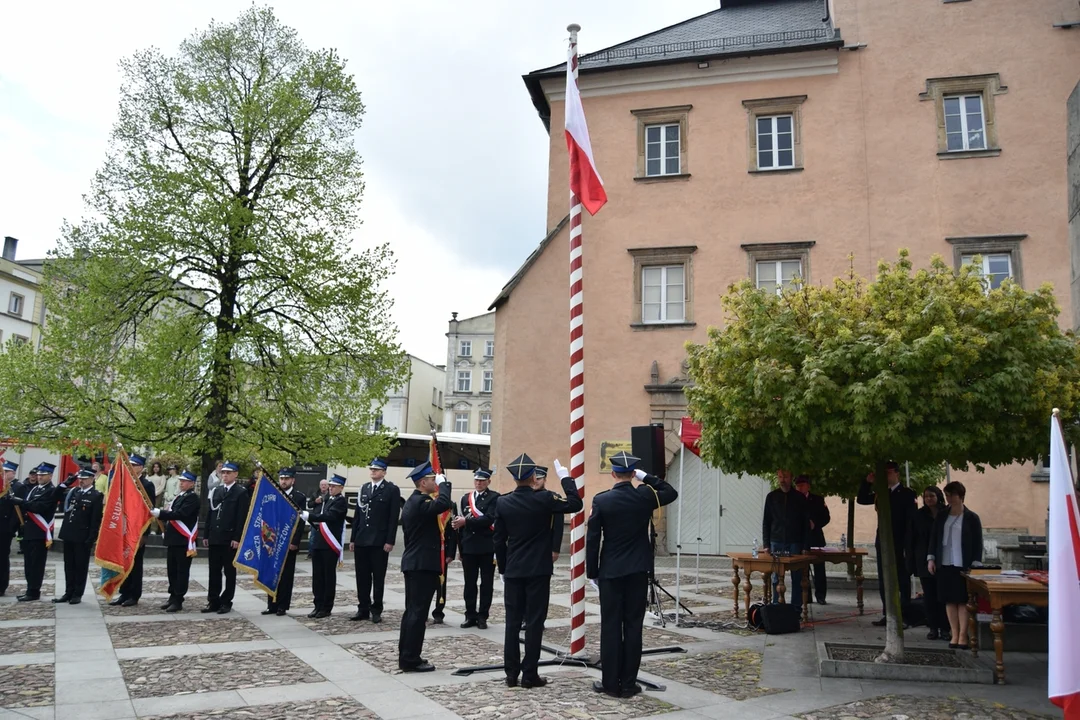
765, 564
852, 556
999, 590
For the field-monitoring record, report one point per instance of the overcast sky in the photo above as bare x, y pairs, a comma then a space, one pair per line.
455, 155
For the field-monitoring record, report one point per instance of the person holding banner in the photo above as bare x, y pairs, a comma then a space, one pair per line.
38, 505
228, 513
131, 589
82, 520
476, 526
281, 604
374, 532
181, 518
9, 521
327, 546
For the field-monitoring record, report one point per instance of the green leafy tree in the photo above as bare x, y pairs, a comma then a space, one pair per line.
210, 304
924, 366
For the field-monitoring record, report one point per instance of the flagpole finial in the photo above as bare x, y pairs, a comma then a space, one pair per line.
573, 29
1057, 413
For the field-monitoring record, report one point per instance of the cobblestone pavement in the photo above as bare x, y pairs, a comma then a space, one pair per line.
651, 638
27, 686
183, 632
719, 621
329, 709
39, 610
339, 623
158, 677
28, 639
443, 652
731, 673
497, 614
562, 587
151, 606
890, 707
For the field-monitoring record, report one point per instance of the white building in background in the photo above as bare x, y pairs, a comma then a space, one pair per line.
22, 306
408, 407
470, 374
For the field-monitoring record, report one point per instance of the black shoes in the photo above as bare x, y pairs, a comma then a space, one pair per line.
879, 623
536, 682
31, 598
376, 618
118, 601
424, 666
360, 615
268, 611
165, 606
473, 623
511, 681
75, 601
210, 609
598, 686
174, 608
322, 614
62, 599
933, 634
130, 602
437, 621
281, 613
481, 624
224, 609
822, 602
313, 613
630, 691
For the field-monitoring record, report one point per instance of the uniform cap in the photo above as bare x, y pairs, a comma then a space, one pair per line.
421, 471
188, 475
623, 462
336, 479
521, 467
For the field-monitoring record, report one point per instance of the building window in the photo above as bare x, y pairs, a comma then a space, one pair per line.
465, 348
999, 256
489, 348
464, 381
663, 287
489, 378
20, 339
377, 423
964, 106
485, 423
662, 139
15, 304
775, 133
774, 266
775, 276
461, 422
994, 268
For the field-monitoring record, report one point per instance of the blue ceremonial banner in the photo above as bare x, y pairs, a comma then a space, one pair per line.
271, 522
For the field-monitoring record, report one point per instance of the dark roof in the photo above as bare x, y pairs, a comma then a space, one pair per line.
739, 28
504, 294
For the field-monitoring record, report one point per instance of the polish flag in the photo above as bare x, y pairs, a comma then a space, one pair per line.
585, 182
1064, 577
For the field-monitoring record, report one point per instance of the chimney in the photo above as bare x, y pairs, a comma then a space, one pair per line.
10, 244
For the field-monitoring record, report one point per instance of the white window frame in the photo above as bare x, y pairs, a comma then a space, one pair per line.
984, 270
964, 136
465, 348
664, 156
488, 381
774, 135
461, 418
489, 348
778, 264
464, 381
16, 299
20, 339
663, 319
485, 423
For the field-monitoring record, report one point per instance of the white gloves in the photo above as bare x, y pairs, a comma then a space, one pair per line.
562, 472
440, 479
304, 514
155, 512
640, 474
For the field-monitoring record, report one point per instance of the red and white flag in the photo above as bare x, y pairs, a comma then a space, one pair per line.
1064, 580
585, 182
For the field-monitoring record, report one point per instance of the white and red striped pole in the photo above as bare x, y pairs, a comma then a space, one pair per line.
577, 403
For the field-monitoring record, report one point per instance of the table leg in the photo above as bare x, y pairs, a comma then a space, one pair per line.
858, 583
780, 587
806, 595
998, 628
973, 624
747, 587
766, 593
735, 582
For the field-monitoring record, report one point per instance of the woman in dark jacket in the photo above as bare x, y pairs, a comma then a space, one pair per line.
956, 544
921, 531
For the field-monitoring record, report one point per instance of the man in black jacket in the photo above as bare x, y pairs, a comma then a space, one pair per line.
181, 519
450, 545
132, 587
280, 606
558, 522
374, 532
902, 506
619, 554
228, 512
476, 529
420, 561
819, 518
785, 529
523, 522
327, 549
82, 520
38, 505
9, 521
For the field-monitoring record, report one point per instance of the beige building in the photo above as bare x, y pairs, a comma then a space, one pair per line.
22, 305
470, 374
409, 408
774, 138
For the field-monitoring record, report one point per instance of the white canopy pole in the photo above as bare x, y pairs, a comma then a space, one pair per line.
678, 532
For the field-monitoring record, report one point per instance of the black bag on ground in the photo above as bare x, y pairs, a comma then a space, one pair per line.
915, 613
780, 619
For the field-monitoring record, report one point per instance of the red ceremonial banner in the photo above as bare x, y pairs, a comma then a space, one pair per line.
125, 519
690, 434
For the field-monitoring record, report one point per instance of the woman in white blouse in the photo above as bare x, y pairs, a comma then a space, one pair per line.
956, 544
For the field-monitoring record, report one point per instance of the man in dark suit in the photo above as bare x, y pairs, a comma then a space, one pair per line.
818, 510
374, 532
327, 549
9, 521
522, 537
38, 505
228, 513
82, 520
132, 587
181, 518
420, 561
476, 530
558, 522
618, 553
902, 511
280, 606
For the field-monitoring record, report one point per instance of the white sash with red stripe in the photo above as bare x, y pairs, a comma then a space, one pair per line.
475, 510
334, 542
187, 532
46, 527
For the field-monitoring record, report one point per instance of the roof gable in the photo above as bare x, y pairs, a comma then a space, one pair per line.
504, 294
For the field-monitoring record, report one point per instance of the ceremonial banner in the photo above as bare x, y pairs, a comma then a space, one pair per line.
1064, 550
690, 435
444, 518
124, 520
264, 547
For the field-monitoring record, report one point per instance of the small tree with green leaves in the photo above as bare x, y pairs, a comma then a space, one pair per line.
925, 366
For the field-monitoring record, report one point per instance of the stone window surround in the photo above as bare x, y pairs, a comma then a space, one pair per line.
673, 255
778, 251
671, 114
763, 107
987, 86
985, 244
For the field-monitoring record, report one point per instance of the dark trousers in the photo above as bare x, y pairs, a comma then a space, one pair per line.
324, 578
221, 557
285, 585
370, 576
794, 590
440, 597
902, 576
480, 566
34, 556
5, 562
420, 587
76, 567
524, 598
179, 569
622, 614
131, 589
936, 619
821, 584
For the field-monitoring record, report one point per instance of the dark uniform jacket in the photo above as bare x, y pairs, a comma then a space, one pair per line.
922, 528
558, 527
185, 509
786, 518
331, 514
621, 517
523, 528
40, 499
151, 492
228, 513
299, 502
83, 518
312, 505
377, 511
971, 539
9, 521
477, 536
902, 507
819, 513
420, 523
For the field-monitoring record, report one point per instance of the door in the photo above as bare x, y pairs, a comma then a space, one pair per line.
744, 503
695, 520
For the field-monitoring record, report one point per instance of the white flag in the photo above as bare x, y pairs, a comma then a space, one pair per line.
1064, 578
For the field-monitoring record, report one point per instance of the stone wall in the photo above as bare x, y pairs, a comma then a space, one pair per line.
1073, 151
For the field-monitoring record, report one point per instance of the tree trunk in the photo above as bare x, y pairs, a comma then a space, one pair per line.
850, 534
894, 627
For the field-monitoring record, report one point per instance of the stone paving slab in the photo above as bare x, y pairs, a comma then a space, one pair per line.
562, 587
32, 639
888, 707
339, 623
567, 695
209, 673
150, 606
732, 673
184, 632
35, 610
650, 637
27, 686
444, 652
719, 621
497, 613
329, 709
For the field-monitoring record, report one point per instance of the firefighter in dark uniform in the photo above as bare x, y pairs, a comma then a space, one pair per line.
9, 521
374, 532
280, 606
327, 536
450, 541
228, 513
618, 553
558, 522
181, 519
38, 505
82, 520
476, 530
523, 521
132, 587
420, 561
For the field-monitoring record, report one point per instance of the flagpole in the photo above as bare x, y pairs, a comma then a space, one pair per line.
678, 533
